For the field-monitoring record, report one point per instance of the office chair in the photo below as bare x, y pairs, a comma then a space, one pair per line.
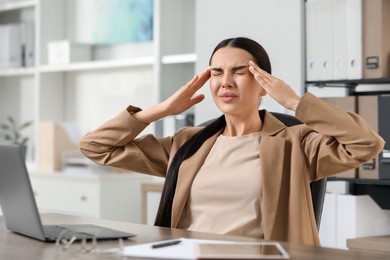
318, 188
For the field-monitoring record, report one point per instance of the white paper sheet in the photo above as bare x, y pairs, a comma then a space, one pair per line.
186, 250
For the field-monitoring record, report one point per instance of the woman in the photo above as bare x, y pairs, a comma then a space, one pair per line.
246, 173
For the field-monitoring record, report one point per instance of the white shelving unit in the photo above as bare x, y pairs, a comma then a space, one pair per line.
91, 92
15, 5
17, 72
99, 65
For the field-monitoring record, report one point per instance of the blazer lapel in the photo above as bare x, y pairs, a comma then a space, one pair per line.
272, 151
272, 157
187, 173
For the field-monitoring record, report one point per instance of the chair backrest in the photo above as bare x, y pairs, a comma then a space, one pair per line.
318, 188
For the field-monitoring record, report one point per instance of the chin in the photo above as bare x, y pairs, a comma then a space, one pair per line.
227, 109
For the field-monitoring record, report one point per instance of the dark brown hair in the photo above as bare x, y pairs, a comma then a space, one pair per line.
254, 48
164, 213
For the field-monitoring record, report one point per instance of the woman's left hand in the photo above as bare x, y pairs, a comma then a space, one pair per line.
276, 88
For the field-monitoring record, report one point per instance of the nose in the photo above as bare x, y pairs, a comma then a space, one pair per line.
226, 81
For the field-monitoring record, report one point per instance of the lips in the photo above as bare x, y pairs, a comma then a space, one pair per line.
227, 97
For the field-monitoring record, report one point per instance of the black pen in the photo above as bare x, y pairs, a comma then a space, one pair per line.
164, 244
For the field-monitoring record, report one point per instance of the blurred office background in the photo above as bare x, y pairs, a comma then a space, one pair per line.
66, 66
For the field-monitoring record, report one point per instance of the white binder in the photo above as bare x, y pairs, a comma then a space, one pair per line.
354, 39
334, 38
3, 46
11, 54
312, 38
319, 40
325, 48
30, 44
339, 39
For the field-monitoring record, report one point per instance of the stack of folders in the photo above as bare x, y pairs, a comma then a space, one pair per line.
17, 45
347, 39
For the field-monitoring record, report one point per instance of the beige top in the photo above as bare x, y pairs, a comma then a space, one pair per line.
226, 193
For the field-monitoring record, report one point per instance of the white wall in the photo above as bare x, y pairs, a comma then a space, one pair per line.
275, 24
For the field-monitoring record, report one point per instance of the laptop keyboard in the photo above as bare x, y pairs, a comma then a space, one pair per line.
53, 232
82, 231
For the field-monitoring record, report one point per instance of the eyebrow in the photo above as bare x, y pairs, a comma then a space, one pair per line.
236, 68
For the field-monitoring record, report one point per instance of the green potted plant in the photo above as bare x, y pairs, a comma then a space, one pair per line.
11, 132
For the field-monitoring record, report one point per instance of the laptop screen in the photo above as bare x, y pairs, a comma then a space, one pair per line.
16, 196
20, 210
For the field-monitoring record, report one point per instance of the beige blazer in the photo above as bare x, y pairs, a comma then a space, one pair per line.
330, 141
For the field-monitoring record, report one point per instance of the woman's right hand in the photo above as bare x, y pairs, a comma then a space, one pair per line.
183, 99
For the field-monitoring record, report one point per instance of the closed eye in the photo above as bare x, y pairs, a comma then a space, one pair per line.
216, 72
240, 70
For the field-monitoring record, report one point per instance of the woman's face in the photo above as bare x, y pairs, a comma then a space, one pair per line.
233, 87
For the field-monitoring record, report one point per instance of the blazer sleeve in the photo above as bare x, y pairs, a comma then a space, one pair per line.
115, 144
340, 141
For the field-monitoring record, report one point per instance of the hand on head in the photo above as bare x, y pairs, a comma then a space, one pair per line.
185, 97
276, 88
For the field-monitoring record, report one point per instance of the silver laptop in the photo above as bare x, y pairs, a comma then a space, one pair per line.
19, 207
